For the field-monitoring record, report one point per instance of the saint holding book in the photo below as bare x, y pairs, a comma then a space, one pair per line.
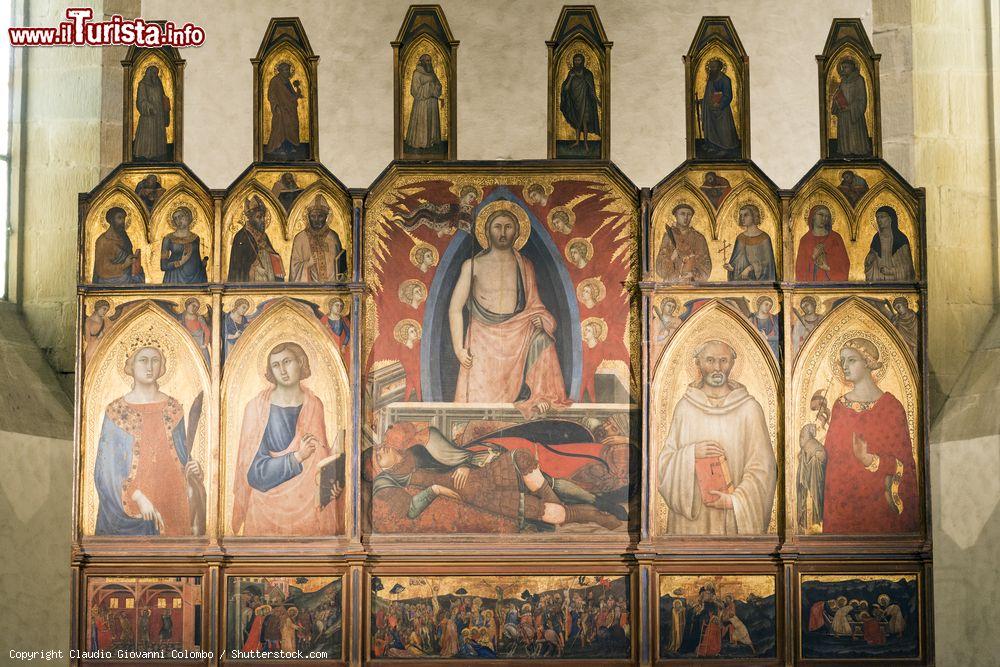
286, 470
716, 470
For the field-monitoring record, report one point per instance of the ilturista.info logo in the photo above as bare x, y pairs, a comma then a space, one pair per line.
80, 30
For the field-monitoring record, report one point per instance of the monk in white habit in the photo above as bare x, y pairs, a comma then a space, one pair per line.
717, 417
507, 352
282, 444
317, 253
424, 128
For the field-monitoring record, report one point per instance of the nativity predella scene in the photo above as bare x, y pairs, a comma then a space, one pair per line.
516, 410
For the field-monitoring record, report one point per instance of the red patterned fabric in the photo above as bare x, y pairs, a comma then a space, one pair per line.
855, 500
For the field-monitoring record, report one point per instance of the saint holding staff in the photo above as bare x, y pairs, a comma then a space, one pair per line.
506, 351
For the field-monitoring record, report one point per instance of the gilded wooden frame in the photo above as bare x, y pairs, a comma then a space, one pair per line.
425, 23
716, 38
864, 567
734, 569
285, 35
579, 28
505, 566
639, 552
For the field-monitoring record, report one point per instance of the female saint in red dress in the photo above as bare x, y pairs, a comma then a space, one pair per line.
871, 477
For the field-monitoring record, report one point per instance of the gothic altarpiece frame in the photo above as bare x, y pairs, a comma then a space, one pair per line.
425, 78
660, 425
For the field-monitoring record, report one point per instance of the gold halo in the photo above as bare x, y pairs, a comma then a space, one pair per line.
677, 304
885, 203
734, 372
722, 62
343, 300
547, 188
421, 247
578, 241
397, 331
562, 209
845, 58
838, 344
406, 285
183, 204
808, 208
524, 225
138, 338
231, 304
457, 187
755, 203
674, 205
600, 323
774, 303
593, 282
118, 202
242, 213
202, 306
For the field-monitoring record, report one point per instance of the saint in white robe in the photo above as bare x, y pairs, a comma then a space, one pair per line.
739, 427
842, 621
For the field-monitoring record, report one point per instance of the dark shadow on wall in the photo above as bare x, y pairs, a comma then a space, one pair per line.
36, 494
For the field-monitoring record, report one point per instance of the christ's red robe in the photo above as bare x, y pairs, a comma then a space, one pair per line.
711, 639
873, 632
253, 642
505, 355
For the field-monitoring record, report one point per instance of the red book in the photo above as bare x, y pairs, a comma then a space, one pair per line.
713, 475
717, 98
276, 266
137, 263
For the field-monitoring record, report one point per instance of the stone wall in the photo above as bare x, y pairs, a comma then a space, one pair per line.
62, 133
954, 139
